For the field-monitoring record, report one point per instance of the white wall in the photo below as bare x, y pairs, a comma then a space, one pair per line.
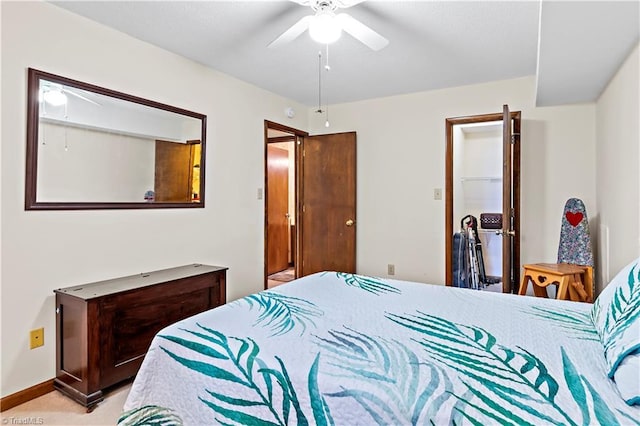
401, 151
123, 117
79, 164
618, 167
483, 159
458, 170
44, 250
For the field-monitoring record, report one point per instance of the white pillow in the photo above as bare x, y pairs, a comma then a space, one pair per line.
616, 316
627, 378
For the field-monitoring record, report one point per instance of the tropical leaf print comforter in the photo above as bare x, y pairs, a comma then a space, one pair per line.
342, 349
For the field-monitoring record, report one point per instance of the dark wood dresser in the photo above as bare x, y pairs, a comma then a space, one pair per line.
104, 329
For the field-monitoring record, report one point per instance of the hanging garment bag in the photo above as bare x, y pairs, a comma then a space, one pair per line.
478, 276
460, 259
460, 278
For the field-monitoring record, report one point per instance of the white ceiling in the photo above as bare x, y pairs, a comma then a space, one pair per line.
433, 44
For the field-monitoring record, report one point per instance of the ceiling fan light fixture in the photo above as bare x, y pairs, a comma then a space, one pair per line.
54, 97
325, 28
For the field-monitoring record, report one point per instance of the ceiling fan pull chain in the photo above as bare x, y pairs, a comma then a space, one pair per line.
327, 66
319, 82
326, 123
326, 97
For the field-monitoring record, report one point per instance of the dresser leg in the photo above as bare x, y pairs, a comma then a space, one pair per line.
89, 401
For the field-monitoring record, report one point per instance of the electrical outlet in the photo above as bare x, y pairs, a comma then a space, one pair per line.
391, 269
437, 193
36, 338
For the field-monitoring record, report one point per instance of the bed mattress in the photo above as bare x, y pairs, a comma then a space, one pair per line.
343, 349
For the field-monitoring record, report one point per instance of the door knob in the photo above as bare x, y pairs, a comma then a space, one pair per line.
509, 233
349, 222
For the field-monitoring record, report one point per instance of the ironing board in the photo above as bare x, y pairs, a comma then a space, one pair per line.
573, 273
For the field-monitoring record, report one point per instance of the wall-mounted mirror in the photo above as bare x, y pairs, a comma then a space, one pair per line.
93, 148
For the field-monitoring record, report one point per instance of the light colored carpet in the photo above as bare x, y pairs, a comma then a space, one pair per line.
284, 276
56, 409
273, 283
496, 288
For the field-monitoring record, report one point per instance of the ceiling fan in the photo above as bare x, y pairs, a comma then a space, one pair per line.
325, 26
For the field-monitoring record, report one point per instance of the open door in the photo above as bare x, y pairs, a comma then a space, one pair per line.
510, 200
507, 202
174, 171
277, 209
328, 202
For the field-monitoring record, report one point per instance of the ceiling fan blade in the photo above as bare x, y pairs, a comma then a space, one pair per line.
77, 95
361, 32
292, 33
343, 4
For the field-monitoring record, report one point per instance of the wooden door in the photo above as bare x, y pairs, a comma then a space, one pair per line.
173, 172
507, 201
277, 209
328, 199
510, 200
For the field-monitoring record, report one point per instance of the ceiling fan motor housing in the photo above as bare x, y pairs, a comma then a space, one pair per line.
324, 6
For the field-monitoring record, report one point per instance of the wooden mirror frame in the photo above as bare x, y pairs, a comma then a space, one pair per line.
33, 119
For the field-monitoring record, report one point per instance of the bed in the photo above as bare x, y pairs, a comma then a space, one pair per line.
343, 349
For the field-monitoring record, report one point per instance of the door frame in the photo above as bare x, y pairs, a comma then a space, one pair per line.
449, 123
297, 137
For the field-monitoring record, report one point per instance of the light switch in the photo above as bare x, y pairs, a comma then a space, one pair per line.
391, 269
259, 193
437, 193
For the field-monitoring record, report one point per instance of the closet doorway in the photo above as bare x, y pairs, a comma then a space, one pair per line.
483, 176
281, 198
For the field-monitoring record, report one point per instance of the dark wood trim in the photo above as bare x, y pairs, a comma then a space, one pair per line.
296, 136
449, 123
33, 112
277, 139
112, 206
507, 242
281, 127
33, 108
112, 93
265, 206
448, 206
26, 395
203, 160
297, 260
516, 117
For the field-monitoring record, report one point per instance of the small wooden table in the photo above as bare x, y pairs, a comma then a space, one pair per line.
574, 281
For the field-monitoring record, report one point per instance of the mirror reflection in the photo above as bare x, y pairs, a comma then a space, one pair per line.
94, 146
